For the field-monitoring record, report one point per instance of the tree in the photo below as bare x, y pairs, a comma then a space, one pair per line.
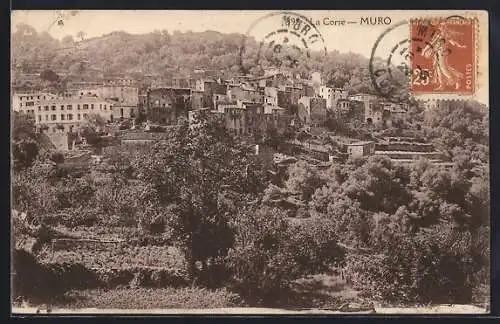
81, 35
202, 171
269, 253
25, 30
25, 147
92, 124
378, 185
49, 75
272, 137
95, 121
303, 179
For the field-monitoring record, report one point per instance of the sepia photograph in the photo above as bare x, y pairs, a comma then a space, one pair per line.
250, 162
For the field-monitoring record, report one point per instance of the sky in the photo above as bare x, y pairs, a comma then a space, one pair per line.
357, 38
354, 38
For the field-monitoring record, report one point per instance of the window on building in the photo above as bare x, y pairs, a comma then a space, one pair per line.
78, 107
70, 116
62, 107
38, 97
91, 106
78, 116
105, 107
100, 106
70, 107
20, 104
53, 107
85, 106
53, 117
39, 108
63, 117
39, 118
46, 117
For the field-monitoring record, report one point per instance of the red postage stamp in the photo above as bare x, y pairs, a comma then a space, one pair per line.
444, 56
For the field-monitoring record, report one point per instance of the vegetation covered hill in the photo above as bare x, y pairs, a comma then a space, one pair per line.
164, 54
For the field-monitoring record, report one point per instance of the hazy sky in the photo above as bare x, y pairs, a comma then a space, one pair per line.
353, 37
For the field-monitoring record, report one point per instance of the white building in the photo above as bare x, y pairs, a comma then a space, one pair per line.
362, 148
332, 95
68, 112
27, 102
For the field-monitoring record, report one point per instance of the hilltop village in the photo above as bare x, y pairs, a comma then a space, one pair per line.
298, 111
161, 171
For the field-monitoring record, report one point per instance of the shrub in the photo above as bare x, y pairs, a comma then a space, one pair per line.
57, 157
140, 279
148, 298
24, 153
414, 269
34, 280
29, 278
303, 179
66, 276
269, 253
73, 217
302, 212
315, 245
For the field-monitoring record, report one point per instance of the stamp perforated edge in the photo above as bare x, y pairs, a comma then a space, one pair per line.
476, 38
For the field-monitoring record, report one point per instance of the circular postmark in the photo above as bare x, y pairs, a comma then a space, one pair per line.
389, 64
280, 40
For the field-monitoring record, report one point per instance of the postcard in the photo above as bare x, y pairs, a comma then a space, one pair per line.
250, 162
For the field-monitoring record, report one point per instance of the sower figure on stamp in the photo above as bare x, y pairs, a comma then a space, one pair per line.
436, 49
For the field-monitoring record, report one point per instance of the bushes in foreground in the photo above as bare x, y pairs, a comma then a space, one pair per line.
77, 276
149, 298
413, 270
33, 280
30, 279
269, 253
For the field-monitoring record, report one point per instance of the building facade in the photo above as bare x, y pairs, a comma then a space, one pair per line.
66, 113
124, 97
373, 108
359, 149
246, 93
27, 103
312, 111
332, 96
243, 118
165, 105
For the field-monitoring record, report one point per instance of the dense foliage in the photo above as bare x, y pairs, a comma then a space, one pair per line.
269, 253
